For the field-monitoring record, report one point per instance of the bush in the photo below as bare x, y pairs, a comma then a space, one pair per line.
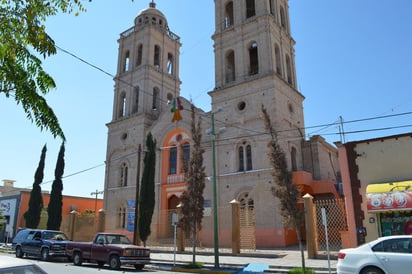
300, 271
194, 265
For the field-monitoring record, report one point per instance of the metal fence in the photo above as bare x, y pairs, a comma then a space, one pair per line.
336, 223
247, 228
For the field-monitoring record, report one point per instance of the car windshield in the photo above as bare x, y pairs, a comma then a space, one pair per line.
54, 235
118, 239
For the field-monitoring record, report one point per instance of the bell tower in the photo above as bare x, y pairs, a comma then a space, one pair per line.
255, 66
148, 66
147, 78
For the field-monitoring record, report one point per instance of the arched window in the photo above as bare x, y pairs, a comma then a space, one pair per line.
248, 157
289, 70
155, 98
229, 15
241, 155
156, 59
136, 92
173, 160
186, 152
245, 201
294, 159
253, 59
123, 174
122, 104
245, 157
170, 63
139, 55
282, 18
278, 60
250, 8
271, 7
230, 66
126, 61
121, 217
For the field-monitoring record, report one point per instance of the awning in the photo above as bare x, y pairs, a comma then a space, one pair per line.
389, 196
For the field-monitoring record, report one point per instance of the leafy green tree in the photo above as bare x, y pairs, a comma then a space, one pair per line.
32, 215
147, 189
287, 193
54, 209
24, 42
192, 198
2, 220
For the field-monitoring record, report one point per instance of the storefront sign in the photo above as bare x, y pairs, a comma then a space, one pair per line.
397, 200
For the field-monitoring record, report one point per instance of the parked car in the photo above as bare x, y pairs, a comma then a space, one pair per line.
108, 248
386, 255
10, 265
38, 242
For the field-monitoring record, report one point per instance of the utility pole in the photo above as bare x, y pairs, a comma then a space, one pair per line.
215, 217
136, 238
97, 192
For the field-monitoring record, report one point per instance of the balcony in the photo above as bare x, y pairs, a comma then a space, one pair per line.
175, 179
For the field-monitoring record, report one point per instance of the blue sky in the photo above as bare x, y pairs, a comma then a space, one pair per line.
353, 60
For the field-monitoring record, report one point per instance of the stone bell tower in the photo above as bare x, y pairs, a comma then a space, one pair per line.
147, 78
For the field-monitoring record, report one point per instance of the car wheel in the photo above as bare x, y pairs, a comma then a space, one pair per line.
371, 270
44, 254
77, 258
19, 252
114, 262
139, 266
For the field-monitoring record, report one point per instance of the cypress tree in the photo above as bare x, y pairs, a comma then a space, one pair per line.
192, 197
32, 215
147, 189
287, 193
54, 209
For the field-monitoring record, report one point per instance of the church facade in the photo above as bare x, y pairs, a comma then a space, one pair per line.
254, 67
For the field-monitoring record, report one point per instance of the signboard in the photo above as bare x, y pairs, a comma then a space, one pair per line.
8, 209
398, 200
207, 208
131, 204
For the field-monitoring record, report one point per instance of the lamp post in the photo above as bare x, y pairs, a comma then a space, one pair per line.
215, 221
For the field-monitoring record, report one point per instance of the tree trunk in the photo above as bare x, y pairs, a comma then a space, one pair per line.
194, 243
302, 254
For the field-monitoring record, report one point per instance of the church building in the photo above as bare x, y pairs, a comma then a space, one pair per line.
254, 67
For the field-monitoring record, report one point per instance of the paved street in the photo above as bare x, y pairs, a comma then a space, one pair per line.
164, 260
62, 266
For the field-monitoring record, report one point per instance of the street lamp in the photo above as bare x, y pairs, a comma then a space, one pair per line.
215, 222
215, 213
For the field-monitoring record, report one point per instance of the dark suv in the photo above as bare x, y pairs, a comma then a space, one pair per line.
38, 242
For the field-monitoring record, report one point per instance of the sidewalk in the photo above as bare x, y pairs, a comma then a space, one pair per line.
273, 261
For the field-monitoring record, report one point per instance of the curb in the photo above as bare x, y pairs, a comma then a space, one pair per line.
187, 270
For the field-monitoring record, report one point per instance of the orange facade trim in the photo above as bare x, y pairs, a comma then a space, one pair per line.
306, 184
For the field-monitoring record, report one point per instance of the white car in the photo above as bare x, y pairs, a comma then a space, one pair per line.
11, 265
386, 255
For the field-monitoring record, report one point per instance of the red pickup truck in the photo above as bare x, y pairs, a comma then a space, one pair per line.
108, 248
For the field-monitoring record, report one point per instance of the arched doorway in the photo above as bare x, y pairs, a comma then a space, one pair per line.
247, 222
172, 204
